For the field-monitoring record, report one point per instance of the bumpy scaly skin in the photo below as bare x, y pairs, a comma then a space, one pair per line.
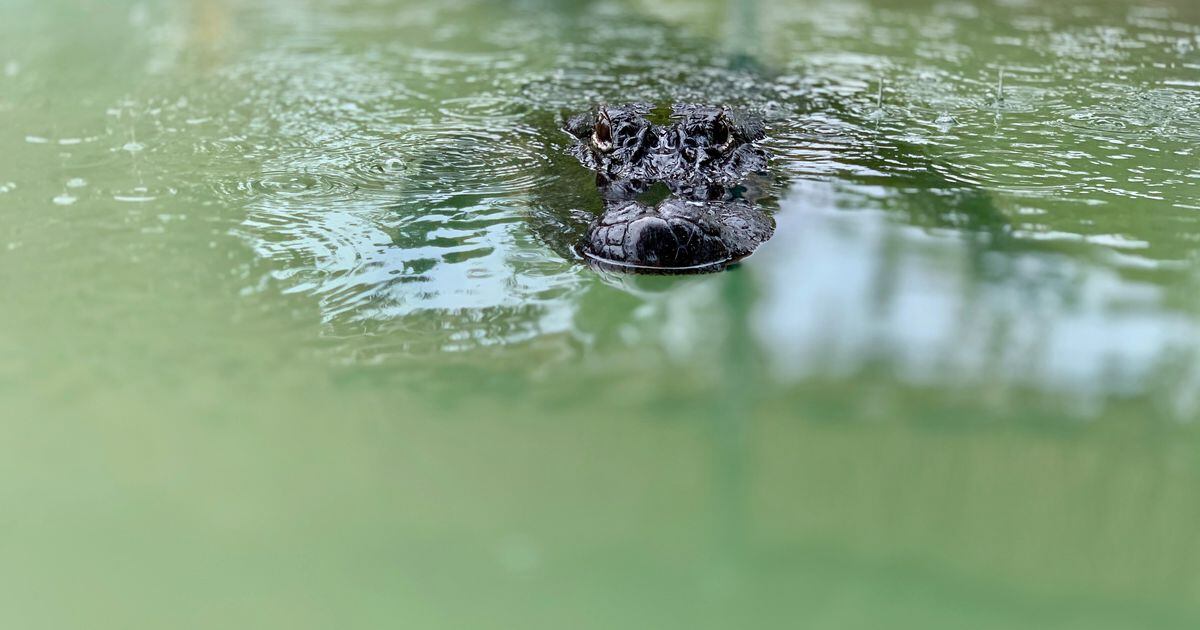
676, 234
701, 156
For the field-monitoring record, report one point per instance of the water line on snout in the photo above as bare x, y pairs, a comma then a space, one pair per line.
628, 267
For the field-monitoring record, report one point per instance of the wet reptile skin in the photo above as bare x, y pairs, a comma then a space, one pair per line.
702, 156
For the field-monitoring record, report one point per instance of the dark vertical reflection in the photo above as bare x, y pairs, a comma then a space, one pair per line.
740, 384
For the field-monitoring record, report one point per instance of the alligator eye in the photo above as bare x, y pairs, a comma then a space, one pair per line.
602, 136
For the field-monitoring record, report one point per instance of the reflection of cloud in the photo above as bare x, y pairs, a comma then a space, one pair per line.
845, 291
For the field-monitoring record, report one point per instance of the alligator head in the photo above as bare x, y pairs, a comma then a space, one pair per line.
703, 156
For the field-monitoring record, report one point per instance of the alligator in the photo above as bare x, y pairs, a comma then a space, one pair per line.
708, 159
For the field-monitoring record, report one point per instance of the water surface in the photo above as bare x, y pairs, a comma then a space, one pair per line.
294, 335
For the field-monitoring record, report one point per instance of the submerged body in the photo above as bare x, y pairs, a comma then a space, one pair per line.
704, 157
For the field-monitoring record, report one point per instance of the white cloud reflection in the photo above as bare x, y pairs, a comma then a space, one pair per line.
845, 290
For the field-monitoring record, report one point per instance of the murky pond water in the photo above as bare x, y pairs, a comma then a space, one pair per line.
294, 336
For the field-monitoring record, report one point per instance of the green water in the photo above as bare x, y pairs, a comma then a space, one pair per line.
293, 337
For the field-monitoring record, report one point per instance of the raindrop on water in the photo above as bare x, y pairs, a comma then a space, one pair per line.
142, 194
878, 113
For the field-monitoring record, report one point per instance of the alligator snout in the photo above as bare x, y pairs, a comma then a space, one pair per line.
672, 235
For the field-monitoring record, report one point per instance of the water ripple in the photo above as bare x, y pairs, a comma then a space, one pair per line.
1109, 121
283, 185
403, 176
471, 162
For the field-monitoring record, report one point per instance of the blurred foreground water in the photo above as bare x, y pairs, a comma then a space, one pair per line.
294, 337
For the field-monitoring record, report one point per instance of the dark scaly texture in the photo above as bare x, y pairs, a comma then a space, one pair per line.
702, 156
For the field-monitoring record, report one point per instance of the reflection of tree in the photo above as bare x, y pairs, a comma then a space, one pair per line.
208, 31
991, 320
